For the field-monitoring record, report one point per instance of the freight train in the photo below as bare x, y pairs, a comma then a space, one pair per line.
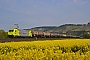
28, 33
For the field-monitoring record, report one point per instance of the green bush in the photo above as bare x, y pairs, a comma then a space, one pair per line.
87, 36
3, 34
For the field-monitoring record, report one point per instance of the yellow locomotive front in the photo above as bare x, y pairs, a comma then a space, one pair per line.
13, 32
19, 33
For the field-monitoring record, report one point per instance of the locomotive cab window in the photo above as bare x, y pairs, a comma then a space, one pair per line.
10, 30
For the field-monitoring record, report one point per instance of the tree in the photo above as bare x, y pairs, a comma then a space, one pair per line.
3, 34
87, 36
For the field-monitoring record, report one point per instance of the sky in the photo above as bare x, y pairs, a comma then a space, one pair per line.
34, 13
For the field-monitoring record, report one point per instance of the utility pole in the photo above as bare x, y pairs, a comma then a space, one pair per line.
16, 25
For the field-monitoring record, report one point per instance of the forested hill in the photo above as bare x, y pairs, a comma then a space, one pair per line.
65, 28
45, 28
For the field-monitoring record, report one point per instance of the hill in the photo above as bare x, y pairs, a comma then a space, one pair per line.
74, 29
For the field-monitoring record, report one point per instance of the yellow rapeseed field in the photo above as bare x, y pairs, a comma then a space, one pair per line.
65, 49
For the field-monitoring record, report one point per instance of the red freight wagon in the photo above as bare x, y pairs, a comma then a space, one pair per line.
37, 33
46, 34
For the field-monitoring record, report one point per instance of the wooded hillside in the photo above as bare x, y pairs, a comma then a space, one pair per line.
69, 29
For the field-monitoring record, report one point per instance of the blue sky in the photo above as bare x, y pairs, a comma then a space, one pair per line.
33, 13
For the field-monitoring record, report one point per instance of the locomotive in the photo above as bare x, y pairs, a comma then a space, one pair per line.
28, 33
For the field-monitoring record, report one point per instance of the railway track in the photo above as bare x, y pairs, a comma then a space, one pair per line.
25, 39
30, 39
14, 40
